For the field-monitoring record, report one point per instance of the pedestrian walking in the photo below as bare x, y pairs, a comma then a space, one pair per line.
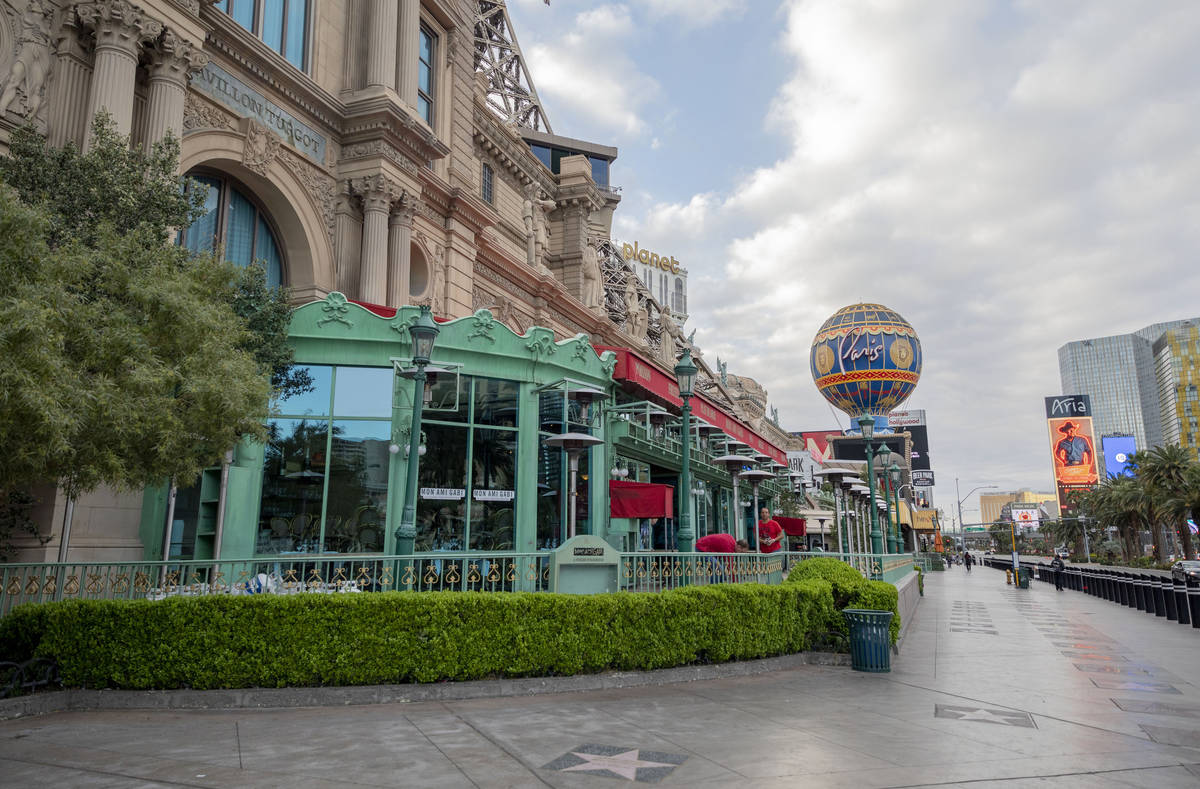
1056, 564
968, 560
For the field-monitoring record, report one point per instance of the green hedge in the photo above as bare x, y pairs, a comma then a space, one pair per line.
850, 590
394, 637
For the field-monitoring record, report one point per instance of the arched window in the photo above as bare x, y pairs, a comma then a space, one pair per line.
679, 305
235, 222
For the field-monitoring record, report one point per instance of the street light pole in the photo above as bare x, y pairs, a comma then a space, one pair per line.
894, 536
423, 334
962, 535
866, 424
685, 372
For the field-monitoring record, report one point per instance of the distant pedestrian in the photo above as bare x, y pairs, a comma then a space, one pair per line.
1056, 564
968, 560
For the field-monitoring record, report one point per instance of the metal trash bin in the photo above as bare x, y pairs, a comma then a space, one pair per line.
1023, 577
870, 642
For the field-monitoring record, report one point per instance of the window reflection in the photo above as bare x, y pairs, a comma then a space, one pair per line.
293, 486
494, 489
315, 402
356, 504
441, 494
364, 391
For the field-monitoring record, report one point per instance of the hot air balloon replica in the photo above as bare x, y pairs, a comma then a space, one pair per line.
866, 359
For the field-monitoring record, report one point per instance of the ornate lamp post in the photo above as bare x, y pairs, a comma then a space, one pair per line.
866, 423
423, 334
839, 512
894, 541
685, 373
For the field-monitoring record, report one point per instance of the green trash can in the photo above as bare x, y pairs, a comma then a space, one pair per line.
870, 643
1023, 575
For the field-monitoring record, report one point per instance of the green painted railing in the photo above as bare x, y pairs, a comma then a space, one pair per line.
432, 571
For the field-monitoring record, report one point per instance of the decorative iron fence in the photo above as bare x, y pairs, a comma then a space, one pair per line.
433, 571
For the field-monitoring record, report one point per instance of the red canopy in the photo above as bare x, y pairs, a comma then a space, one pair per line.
639, 373
792, 527
640, 499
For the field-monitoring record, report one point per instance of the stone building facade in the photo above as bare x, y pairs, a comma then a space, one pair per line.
356, 146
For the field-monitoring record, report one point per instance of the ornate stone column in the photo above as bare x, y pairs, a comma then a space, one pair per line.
173, 61
381, 43
410, 51
377, 193
400, 251
121, 30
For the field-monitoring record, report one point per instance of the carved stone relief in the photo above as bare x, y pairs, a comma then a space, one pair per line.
321, 187
368, 150
261, 147
29, 67
199, 114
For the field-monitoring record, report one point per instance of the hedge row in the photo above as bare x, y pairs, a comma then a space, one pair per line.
396, 637
850, 590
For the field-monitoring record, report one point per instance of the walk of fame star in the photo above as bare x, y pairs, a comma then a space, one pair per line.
624, 764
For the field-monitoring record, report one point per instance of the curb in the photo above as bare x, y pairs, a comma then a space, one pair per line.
74, 699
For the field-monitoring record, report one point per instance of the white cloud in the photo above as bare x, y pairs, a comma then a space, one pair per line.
583, 70
1009, 178
695, 13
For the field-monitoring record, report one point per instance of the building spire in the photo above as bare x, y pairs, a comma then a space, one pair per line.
510, 91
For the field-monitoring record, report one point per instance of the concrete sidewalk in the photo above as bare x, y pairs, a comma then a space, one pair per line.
995, 686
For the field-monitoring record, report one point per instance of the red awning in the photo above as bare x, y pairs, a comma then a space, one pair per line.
792, 527
652, 382
643, 375
384, 311
640, 499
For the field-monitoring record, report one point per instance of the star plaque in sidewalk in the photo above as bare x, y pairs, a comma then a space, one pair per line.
1002, 717
610, 761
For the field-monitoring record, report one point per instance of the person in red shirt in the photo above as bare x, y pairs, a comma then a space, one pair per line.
717, 543
770, 533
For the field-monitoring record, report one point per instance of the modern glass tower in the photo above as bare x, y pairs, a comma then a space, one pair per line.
1119, 375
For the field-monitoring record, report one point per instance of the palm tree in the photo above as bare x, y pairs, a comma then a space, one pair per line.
1119, 502
1190, 503
1164, 471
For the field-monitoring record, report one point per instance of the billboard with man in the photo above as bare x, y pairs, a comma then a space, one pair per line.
1072, 445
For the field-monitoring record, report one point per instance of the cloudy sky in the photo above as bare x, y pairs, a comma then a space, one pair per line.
1008, 176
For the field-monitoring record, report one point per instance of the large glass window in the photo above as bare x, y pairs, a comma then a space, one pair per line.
325, 477
234, 223
281, 24
425, 80
559, 414
467, 494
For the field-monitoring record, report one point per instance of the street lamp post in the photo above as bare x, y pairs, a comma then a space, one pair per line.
423, 334
962, 534
899, 529
685, 373
894, 537
866, 423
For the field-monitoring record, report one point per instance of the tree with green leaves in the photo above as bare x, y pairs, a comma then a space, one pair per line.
1164, 471
124, 359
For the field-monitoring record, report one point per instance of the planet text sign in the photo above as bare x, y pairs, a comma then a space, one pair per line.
1072, 447
912, 418
652, 259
